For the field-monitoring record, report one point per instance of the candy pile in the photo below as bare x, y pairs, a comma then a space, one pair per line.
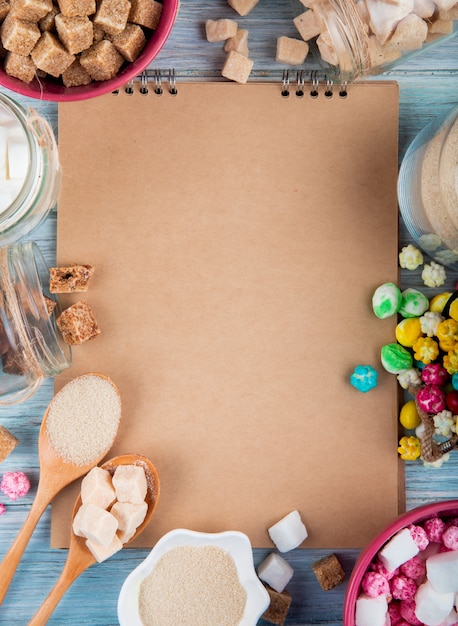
413, 580
424, 358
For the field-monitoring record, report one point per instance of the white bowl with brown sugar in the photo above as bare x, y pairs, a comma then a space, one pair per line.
192, 577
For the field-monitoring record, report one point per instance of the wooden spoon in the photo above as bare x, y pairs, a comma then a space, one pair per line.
55, 474
79, 557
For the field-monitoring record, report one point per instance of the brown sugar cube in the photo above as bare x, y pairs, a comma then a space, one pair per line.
48, 22
78, 324
101, 61
278, 608
18, 35
50, 55
75, 8
70, 278
220, 30
291, 51
20, 66
239, 42
7, 443
99, 34
329, 572
30, 10
237, 67
243, 7
146, 13
4, 10
112, 15
50, 304
76, 33
75, 75
307, 24
130, 42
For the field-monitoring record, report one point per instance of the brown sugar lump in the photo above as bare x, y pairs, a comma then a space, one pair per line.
49, 304
112, 15
76, 33
278, 608
30, 10
129, 517
75, 75
101, 552
7, 443
78, 324
97, 488
239, 42
130, 42
70, 278
146, 13
410, 33
101, 61
243, 7
291, 51
129, 482
4, 10
48, 22
50, 55
18, 35
220, 30
75, 8
237, 67
19, 66
308, 24
329, 572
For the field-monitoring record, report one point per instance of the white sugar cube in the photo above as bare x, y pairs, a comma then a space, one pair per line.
289, 532
275, 571
371, 611
398, 550
442, 571
130, 483
129, 517
97, 488
95, 524
432, 608
101, 553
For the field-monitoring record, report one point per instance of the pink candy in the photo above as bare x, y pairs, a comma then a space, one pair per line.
381, 569
375, 584
450, 537
407, 610
431, 399
2, 509
434, 374
403, 588
414, 568
420, 537
434, 528
15, 485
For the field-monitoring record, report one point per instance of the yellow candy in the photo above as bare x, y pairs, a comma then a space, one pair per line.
438, 302
408, 331
453, 311
408, 416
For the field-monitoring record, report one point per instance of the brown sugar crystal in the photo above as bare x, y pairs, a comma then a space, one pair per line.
112, 15
50, 304
78, 324
50, 55
7, 443
101, 61
30, 10
147, 13
75, 75
48, 22
18, 35
70, 278
278, 608
76, 33
20, 66
329, 572
130, 42
74, 8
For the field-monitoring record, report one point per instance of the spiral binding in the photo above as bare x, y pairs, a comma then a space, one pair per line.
152, 80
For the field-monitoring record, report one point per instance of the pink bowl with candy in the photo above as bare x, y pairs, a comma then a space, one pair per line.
371, 580
53, 89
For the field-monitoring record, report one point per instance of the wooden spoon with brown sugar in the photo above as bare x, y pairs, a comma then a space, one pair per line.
79, 557
78, 429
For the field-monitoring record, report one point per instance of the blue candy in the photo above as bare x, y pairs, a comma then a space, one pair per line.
364, 378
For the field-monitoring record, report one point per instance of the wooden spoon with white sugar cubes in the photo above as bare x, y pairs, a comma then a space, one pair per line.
116, 502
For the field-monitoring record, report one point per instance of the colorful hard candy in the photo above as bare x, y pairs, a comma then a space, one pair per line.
413, 303
364, 378
386, 300
395, 358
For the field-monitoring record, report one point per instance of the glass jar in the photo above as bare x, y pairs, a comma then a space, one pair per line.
352, 39
31, 348
428, 189
29, 170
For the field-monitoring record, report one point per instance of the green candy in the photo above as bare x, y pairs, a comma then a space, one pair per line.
413, 304
395, 358
386, 300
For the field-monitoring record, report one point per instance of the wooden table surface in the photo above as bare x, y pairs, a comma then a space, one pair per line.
428, 87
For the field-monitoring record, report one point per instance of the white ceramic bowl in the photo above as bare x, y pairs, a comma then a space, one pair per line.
235, 543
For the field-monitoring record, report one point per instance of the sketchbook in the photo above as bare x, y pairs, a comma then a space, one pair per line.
238, 233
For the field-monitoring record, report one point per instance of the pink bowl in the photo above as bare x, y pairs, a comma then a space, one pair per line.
446, 509
47, 89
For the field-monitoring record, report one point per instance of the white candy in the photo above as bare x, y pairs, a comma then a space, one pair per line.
398, 550
289, 532
275, 571
442, 571
371, 611
432, 608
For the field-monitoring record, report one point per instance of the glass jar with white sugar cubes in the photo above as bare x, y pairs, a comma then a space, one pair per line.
29, 170
356, 38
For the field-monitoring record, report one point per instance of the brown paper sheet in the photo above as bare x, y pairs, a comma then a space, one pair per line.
237, 238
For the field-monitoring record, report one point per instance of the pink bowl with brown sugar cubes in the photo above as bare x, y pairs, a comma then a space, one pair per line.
78, 49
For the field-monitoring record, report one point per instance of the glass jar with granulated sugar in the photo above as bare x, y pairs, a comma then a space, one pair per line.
31, 348
355, 38
29, 170
428, 189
